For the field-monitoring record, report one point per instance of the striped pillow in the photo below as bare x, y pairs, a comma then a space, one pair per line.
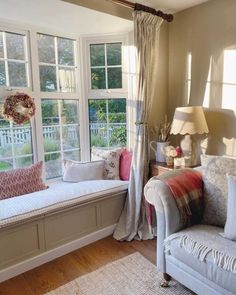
21, 181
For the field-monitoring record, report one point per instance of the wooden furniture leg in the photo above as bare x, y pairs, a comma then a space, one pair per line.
166, 280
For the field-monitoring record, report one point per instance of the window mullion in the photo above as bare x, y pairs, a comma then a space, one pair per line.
57, 62
5, 56
106, 73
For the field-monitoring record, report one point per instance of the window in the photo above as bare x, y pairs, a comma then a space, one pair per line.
61, 134
56, 63
107, 115
70, 117
60, 116
15, 144
106, 65
13, 60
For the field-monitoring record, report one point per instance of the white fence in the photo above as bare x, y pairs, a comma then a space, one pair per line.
21, 135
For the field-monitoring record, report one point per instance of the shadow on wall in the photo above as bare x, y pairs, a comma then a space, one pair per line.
221, 139
202, 69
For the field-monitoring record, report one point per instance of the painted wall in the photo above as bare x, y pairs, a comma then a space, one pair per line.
202, 69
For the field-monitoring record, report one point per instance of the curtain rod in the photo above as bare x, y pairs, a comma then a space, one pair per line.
137, 6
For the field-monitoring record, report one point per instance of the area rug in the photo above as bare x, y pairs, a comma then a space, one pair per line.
131, 275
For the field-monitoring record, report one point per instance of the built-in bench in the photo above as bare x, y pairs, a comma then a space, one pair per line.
41, 226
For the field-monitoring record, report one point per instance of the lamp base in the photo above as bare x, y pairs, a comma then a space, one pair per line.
186, 145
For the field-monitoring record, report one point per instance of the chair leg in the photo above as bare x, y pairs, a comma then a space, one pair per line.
166, 280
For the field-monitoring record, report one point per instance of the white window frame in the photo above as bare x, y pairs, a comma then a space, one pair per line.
116, 93
82, 79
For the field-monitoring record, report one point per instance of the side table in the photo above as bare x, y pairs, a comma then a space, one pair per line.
156, 168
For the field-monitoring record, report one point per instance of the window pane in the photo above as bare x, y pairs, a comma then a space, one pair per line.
107, 122
53, 165
50, 112
17, 74
48, 80
70, 135
15, 46
70, 112
15, 145
22, 141
98, 78
114, 54
2, 74
97, 55
65, 51
24, 161
114, 78
61, 133
72, 155
1, 46
67, 79
46, 49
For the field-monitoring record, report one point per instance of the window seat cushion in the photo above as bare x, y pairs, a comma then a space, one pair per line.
57, 196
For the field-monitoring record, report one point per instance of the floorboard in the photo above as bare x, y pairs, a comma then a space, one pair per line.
62, 270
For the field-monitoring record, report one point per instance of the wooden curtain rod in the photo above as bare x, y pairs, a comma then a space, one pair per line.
137, 6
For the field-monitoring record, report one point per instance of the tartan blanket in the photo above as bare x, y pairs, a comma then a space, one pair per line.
187, 189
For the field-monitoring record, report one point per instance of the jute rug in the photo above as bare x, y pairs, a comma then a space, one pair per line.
131, 275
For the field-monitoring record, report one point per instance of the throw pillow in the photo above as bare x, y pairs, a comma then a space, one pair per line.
112, 161
78, 171
125, 164
21, 181
230, 228
214, 170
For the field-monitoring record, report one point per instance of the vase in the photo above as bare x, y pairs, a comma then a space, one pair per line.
159, 150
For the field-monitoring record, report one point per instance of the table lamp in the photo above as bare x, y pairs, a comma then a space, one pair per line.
188, 121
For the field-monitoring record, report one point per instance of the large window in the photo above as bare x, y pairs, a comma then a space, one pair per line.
70, 116
13, 60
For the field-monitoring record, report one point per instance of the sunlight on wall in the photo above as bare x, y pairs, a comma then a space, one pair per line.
206, 100
229, 80
188, 77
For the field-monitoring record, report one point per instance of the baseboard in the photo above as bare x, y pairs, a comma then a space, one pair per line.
33, 262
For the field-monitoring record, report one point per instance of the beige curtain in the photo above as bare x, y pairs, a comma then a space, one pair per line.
133, 221
67, 80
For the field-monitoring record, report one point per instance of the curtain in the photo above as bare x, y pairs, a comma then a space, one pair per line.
67, 80
133, 222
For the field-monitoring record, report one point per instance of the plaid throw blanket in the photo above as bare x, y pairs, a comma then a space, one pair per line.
186, 187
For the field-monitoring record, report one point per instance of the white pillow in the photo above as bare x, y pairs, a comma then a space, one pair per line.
112, 161
79, 171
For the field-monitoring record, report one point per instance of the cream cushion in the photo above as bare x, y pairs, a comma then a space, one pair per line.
78, 171
58, 196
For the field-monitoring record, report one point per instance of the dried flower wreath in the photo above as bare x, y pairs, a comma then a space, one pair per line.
19, 108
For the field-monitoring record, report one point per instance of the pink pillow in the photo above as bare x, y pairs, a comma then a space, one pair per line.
21, 181
125, 164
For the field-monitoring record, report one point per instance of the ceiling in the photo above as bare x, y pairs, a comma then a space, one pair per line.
61, 16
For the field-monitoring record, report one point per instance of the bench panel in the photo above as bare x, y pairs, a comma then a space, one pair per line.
21, 243
64, 227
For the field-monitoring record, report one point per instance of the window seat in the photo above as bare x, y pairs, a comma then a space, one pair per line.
41, 226
58, 196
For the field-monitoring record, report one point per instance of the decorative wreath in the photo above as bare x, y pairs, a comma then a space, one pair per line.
19, 108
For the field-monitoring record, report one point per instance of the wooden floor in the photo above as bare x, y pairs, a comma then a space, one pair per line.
66, 268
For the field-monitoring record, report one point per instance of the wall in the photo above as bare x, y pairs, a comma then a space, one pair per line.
208, 33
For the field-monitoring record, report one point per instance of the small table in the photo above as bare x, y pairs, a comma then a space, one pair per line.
156, 168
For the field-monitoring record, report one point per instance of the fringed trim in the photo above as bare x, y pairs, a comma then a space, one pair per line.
222, 260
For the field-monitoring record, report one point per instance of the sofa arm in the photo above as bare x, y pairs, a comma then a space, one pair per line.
169, 221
